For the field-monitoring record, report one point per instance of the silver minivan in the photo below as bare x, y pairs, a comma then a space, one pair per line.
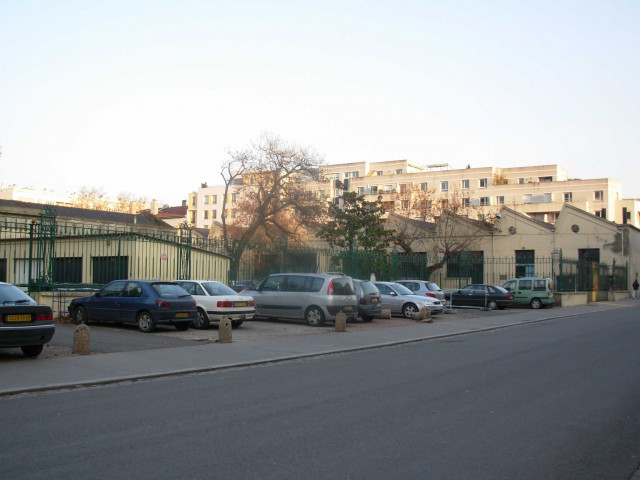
313, 297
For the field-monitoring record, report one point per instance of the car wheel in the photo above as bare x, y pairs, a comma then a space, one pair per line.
409, 310
182, 326
492, 304
80, 315
32, 350
145, 322
202, 321
236, 323
314, 316
536, 303
367, 318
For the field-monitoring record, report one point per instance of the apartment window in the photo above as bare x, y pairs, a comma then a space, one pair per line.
405, 204
389, 188
525, 263
351, 174
379, 172
602, 213
66, 270
193, 201
483, 183
484, 201
398, 171
521, 180
444, 186
599, 195
360, 190
423, 186
403, 188
192, 217
234, 197
322, 193
214, 199
465, 202
500, 200
374, 189
206, 199
206, 214
214, 214
234, 213
546, 179
464, 184
568, 197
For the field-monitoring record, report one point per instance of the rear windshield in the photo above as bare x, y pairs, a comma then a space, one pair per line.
12, 294
369, 288
433, 287
169, 290
216, 289
343, 286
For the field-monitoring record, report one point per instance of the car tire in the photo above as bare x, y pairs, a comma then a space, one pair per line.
314, 316
536, 303
32, 350
236, 323
182, 326
367, 318
409, 310
80, 315
492, 304
145, 322
202, 321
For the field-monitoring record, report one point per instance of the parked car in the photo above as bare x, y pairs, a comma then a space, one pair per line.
215, 301
144, 303
368, 298
240, 285
423, 287
534, 291
314, 297
23, 322
480, 295
400, 300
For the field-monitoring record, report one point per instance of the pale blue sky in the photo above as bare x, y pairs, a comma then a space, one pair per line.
146, 97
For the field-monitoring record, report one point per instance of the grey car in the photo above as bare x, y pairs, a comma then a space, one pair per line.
313, 297
368, 296
401, 300
423, 287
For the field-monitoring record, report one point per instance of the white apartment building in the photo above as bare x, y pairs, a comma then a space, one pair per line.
537, 191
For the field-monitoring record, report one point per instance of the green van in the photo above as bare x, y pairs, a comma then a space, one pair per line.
534, 291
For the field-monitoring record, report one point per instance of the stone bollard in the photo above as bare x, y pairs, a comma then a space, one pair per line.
224, 331
423, 316
386, 313
81, 340
341, 322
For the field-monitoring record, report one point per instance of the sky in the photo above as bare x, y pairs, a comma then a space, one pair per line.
149, 97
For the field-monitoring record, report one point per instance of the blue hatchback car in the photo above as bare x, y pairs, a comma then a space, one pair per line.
145, 303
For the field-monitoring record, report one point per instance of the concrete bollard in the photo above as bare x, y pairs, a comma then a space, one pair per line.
386, 313
341, 322
423, 316
224, 331
81, 340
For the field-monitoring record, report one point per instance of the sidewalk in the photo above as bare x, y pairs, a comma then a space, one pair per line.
69, 372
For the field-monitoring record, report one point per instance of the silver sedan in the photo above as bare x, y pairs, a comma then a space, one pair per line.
401, 300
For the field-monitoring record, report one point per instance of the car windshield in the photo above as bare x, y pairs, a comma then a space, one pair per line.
216, 289
12, 294
169, 290
401, 289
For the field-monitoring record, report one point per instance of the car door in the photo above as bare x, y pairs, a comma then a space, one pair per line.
390, 298
131, 302
267, 297
105, 304
295, 296
522, 294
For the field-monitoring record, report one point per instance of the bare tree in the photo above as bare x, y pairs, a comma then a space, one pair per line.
269, 185
91, 198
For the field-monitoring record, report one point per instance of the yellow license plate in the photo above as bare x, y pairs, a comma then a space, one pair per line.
182, 315
374, 300
18, 318
241, 304
348, 308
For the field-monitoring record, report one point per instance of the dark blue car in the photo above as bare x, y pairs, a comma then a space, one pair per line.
145, 303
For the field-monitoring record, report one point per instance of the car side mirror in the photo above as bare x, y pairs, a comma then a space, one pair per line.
97, 294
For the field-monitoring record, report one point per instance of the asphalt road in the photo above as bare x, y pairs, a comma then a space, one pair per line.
551, 400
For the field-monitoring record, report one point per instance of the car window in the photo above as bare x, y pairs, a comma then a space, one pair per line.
413, 286
113, 289
479, 289
525, 284
540, 284
402, 290
12, 294
368, 288
274, 283
384, 289
343, 286
432, 286
500, 290
510, 285
189, 287
296, 283
133, 289
169, 290
216, 289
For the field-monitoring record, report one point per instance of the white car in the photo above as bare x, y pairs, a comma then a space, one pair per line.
400, 300
215, 301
